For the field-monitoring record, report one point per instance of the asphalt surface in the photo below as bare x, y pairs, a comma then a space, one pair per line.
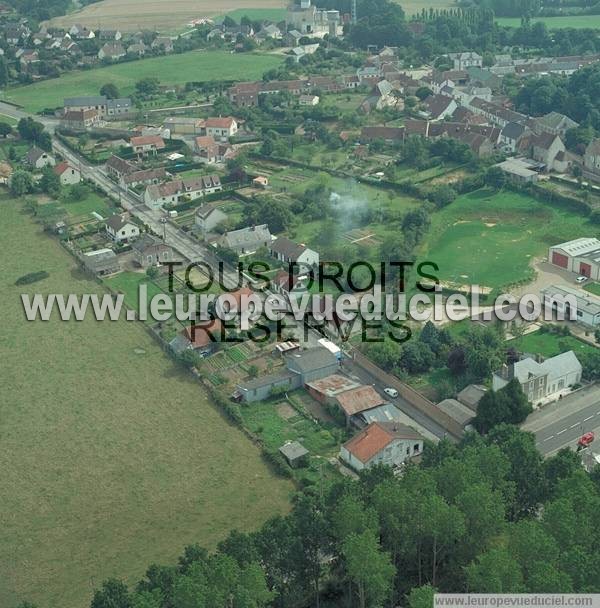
563, 422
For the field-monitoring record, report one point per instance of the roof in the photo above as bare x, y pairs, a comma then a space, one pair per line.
554, 367
544, 140
359, 400
206, 210
147, 140
145, 175
247, 236
376, 437
513, 130
146, 241
310, 360
516, 167
332, 385
117, 221
556, 120
593, 148
262, 381
382, 413
225, 122
292, 450
586, 301
35, 154
287, 248
205, 141
120, 165
62, 167
203, 333
471, 395
456, 410
437, 104
580, 246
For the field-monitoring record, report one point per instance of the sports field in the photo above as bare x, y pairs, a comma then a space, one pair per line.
194, 66
164, 16
111, 458
490, 239
578, 22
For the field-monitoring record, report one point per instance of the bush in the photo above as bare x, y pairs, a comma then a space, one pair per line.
32, 277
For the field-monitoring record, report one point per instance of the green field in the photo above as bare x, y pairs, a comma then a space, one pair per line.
256, 14
550, 345
555, 23
112, 458
194, 66
490, 239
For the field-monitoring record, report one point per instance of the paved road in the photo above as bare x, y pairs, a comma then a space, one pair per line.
562, 423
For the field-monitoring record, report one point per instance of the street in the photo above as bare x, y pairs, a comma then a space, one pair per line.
563, 422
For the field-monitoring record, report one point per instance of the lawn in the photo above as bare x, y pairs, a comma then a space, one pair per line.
92, 202
549, 345
112, 458
593, 288
490, 239
577, 21
194, 66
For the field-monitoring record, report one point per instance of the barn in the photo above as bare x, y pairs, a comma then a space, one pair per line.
581, 256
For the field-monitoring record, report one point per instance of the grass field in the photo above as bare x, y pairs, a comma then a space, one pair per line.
133, 15
579, 21
111, 459
490, 238
549, 345
170, 69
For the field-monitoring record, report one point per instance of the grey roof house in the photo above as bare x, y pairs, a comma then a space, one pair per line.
247, 240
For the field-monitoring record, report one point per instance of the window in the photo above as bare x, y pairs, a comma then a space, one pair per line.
416, 448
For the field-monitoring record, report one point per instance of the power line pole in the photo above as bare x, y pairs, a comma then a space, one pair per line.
354, 12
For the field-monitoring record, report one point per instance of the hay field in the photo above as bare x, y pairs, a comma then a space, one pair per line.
111, 458
162, 15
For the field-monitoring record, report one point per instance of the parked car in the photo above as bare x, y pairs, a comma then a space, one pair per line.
581, 279
391, 392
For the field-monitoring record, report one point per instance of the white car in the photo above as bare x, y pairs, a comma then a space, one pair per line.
581, 279
391, 392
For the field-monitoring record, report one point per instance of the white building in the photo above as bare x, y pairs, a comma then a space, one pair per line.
221, 128
67, 174
570, 302
121, 229
289, 252
581, 256
387, 443
208, 217
541, 382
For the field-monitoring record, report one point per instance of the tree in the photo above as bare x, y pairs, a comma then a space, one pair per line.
507, 405
113, 594
33, 131
147, 87
50, 182
495, 178
110, 90
423, 93
5, 130
421, 597
368, 567
495, 571
21, 183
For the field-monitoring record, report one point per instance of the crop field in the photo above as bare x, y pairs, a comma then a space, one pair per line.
554, 23
170, 69
174, 15
490, 239
112, 458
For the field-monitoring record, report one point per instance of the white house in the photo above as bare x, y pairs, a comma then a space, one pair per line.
38, 159
289, 252
171, 193
221, 128
462, 61
208, 217
386, 443
121, 229
67, 174
541, 382
246, 240
581, 256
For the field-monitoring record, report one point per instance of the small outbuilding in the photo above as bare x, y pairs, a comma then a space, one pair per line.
295, 454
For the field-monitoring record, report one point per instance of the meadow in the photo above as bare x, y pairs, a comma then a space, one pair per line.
197, 66
554, 23
550, 345
491, 238
112, 458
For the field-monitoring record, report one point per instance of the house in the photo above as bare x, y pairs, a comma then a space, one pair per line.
88, 102
246, 240
138, 49
358, 400
202, 337
80, 119
289, 284
147, 144
581, 256
102, 262
312, 364
109, 35
471, 395
208, 217
549, 150
145, 177
183, 125
381, 443
438, 107
121, 229
292, 38
38, 159
289, 252
67, 174
295, 454
567, 300
269, 31
541, 382
117, 167
387, 134
207, 148
112, 51
150, 251
163, 43
263, 387
120, 108
308, 100
554, 123
221, 128
462, 61
591, 160
171, 193
81, 32
325, 390
511, 135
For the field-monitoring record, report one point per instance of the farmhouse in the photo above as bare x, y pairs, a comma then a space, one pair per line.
289, 252
38, 159
147, 144
150, 251
541, 382
121, 229
67, 174
381, 443
246, 240
80, 119
581, 256
565, 300
208, 217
